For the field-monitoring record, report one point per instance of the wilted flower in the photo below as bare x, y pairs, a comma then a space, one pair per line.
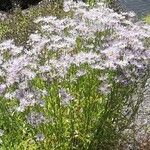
1, 132
80, 73
40, 137
41, 103
103, 78
105, 88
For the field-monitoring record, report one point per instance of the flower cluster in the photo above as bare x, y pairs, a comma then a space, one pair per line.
62, 43
35, 118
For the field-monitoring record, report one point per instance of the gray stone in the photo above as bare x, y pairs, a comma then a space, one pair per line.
7, 5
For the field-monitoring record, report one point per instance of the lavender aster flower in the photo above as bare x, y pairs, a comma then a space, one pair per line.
65, 97
2, 88
35, 118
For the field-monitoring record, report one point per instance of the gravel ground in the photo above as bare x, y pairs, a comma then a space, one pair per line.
142, 120
139, 135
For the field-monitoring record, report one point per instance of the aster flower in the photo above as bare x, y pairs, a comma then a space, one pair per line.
105, 88
2, 88
35, 118
10, 47
65, 97
29, 97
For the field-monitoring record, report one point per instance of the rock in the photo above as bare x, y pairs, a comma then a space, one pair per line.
81, 0
24, 4
7, 5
